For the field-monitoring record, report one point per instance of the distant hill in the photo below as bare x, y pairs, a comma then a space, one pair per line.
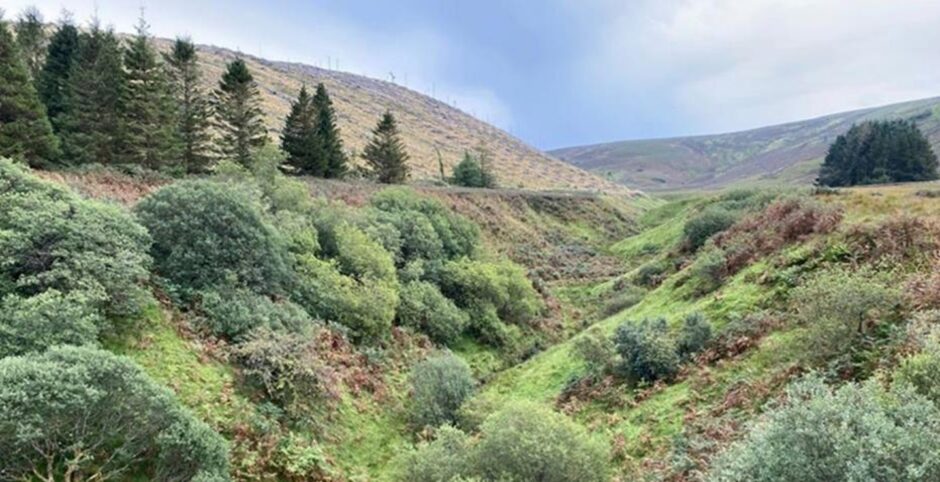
427, 125
787, 153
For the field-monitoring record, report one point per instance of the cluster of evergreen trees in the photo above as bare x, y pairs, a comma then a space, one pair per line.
877, 152
84, 96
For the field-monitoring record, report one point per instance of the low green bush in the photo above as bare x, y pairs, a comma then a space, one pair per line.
855, 432
695, 334
97, 416
596, 349
625, 298
425, 309
647, 352
207, 233
231, 313
502, 285
440, 385
443, 459
32, 324
712, 220
920, 370
651, 274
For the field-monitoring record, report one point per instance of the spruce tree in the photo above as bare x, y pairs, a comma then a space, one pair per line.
31, 38
91, 127
192, 107
54, 77
878, 152
329, 141
385, 154
299, 138
25, 132
149, 121
238, 114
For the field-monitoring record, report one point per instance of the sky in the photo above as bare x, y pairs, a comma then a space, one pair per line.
559, 73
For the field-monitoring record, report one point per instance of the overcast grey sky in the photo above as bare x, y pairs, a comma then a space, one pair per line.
559, 73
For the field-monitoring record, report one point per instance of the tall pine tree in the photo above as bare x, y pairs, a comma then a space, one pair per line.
299, 137
92, 127
25, 132
192, 107
329, 141
385, 154
31, 38
238, 114
54, 77
149, 121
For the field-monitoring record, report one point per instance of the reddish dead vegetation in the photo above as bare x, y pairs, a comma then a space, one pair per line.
896, 239
738, 337
106, 184
785, 221
922, 291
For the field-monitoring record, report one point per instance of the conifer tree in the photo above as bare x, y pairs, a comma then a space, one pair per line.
147, 103
878, 152
92, 123
25, 132
31, 38
192, 107
299, 138
329, 141
54, 77
385, 154
238, 114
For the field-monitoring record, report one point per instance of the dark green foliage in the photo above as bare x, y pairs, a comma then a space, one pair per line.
284, 365
328, 138
53, 81
95, 415
31, 39
50, 318
920, 369
647, 353
597, 351
209, 234
238, 114
878, 152
695, 334
299, 138
623, 299
385, 154
147, 105
91, 124
428, 230
425, 309
709, 222
526, 441
473, 172
442, 460
856, 432
439, 386
192, 107
55, 240
651, 274
233, 312
25, 131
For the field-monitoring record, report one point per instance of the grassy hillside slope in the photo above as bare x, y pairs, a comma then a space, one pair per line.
788, 153
428, 126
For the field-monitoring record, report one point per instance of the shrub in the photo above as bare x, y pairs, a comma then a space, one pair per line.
525, 441
696, 333
597, 351
502, 285
361, 257
425, 309
207, 233
710, 221
98, 416
459, 237
52, 239
841, 307
444, 459
920, 370
231, 313
709, 269
856, 432
647, 353
366, 306
651, 274
440, 385
284, 365
50, 318
622, 300
473, 172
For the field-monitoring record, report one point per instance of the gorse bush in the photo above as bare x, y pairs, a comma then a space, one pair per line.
647, 352
443, 459
855, 432
425, 309
440, 385
920, 370
231, 313
710, 221
502, 285
32, 324
695, 334
208, 233
596, 350
87, 251
95, 415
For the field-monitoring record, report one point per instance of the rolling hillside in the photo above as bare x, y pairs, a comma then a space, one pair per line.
786, 153
427, 125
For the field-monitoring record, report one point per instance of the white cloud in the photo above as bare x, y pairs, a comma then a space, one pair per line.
729, 64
